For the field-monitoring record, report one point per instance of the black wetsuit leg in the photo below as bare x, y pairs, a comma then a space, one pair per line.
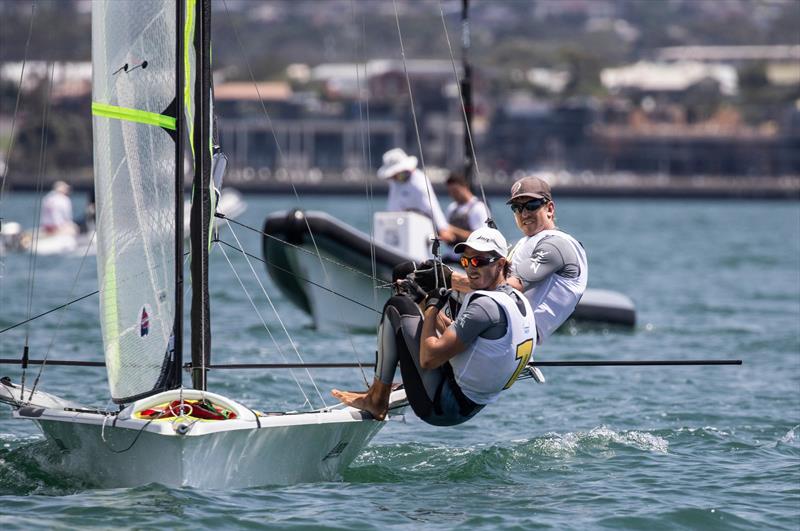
433, 394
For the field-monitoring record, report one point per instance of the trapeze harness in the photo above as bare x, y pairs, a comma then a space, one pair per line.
456, 391
459, 217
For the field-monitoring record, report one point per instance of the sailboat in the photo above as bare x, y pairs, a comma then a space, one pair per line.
151, 91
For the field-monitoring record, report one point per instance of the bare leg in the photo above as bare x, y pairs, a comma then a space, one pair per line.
375, 400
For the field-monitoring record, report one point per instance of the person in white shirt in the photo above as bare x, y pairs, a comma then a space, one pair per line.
411, 191
56, 217
466, 213
452, 369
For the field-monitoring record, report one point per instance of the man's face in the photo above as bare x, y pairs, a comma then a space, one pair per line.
532, 222
485, 275
402, 176
458, 192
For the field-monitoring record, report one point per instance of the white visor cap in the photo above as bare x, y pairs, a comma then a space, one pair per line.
485, 240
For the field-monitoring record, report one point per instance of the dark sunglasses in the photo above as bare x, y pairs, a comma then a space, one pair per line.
478, 261
531, 206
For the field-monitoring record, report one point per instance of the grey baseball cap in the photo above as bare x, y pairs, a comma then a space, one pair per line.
532, 187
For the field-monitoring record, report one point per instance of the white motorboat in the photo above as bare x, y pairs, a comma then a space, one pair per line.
330, 277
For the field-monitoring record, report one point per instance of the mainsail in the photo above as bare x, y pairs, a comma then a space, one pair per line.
134, 107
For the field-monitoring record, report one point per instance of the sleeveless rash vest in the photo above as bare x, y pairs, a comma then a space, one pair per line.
554, 299
489, 366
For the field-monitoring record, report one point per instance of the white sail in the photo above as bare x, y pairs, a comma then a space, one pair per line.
133, 58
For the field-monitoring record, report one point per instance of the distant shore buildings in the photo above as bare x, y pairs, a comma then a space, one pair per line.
676, 114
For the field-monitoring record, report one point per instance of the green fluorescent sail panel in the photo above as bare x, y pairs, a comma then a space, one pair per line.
133, 115
133, 85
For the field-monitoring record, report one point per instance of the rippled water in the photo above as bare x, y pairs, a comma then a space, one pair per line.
691, 447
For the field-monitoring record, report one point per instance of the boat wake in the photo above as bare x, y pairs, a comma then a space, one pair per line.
396, 462
29, 466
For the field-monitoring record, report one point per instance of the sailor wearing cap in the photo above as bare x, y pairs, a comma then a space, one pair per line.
452, 369
410, 190
56, 214
547, 264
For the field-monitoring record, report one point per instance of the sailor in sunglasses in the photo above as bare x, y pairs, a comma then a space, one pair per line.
452, 369
548, 265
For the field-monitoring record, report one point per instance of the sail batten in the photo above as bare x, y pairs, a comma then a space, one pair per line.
133, 84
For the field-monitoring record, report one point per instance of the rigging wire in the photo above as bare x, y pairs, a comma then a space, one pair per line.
48, 312
295, 275
263, 322
297, 247
291, 181
37, 217
61, 318
366, 145
467, 126
428, 185
10, 152
188, 287
277, 315
16, 108
272, 130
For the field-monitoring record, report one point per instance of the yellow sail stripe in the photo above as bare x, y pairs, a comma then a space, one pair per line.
188, 39
133, 115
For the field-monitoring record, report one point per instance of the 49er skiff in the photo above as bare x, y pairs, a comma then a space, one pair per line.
152, 90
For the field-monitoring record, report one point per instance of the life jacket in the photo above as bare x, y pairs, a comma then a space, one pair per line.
489, 366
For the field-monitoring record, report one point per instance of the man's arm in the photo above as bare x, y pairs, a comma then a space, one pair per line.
553, 255
462, 234
434, 350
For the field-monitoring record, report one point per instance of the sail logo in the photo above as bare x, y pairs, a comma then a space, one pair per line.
144, 322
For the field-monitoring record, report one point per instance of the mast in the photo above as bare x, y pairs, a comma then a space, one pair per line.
201, 198
466, 91
180, 145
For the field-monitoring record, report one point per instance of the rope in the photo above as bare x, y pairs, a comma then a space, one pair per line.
464, 113
138, 434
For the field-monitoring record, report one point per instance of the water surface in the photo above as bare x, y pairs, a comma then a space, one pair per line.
658, 448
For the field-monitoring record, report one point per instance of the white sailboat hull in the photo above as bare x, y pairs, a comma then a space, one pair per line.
121, 451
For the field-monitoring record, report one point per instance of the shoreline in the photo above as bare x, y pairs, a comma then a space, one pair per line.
617, 187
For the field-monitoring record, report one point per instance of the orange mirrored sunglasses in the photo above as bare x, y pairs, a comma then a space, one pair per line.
478, 261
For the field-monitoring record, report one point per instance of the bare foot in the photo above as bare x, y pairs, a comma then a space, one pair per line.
373, 401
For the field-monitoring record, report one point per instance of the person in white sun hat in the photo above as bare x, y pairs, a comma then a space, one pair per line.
410, 190
452, 369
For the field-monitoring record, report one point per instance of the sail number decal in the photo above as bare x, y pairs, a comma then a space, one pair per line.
523, 355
